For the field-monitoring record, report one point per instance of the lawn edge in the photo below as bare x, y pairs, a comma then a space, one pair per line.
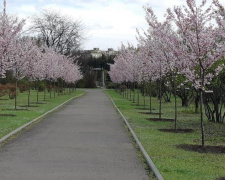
14, 132
147, 157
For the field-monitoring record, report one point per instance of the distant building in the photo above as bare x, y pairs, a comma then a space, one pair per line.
97, 53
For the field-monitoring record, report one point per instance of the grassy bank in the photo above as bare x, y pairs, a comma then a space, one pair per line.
11, 119
167, 148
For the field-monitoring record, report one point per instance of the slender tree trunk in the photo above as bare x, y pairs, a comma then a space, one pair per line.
175, 115
160, 98
16, 95
202, 122
134, 93
50, 89
144, 95
28, 103
45, 91
127, 90
54, 88
175, 104
130, 92
62, 87
201, 107
138, 100
58, 87
38, 93
124, 91
150, 96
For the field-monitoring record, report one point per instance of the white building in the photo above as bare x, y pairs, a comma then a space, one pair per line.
97, 53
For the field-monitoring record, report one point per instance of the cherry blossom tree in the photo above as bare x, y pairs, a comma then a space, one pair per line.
125, 68
51, 67
199, 47
188, 42
150, 68
25, 58
10, 28
161, 38
20, 56
34, 54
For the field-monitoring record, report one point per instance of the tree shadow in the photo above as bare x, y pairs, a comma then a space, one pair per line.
142, 108
200, 149
161, 119
8, 115
153, 113
16, 109
221, 178
29, 106
177, 130
38, 103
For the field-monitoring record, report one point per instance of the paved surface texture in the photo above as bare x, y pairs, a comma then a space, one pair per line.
85, 140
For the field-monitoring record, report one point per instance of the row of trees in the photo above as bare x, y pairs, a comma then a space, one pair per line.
30, 57
186, 48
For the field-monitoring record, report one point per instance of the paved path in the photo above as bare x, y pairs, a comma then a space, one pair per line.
85, 140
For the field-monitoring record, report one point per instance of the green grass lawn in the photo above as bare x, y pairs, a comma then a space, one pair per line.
11, 119
173, 162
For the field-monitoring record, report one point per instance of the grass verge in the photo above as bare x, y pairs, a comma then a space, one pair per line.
173, 162
11, 119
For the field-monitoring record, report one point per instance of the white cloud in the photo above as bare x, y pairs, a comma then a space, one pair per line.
109, 22
28, 9
115, 21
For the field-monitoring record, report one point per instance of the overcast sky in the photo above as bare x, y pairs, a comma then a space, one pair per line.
108, 22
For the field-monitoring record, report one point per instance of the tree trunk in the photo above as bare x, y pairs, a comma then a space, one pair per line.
202, 122
54, 88
138, 98
134, 93
144, 95
160, 98
150, 97
62, 88
28, 103
58, 87
175, 113
50, 89
124, 91
127, 88
45, 91
38, 93
16, 95
130, 92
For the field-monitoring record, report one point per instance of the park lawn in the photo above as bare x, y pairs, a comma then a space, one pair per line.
11, 119
175, 163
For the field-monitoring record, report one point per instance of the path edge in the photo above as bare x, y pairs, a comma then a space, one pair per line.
147, 157
4, 138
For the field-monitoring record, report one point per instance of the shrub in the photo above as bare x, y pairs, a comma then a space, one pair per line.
22, 88
111, 85
80, 83
51, 87
11, 89
122, 88
3, 90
